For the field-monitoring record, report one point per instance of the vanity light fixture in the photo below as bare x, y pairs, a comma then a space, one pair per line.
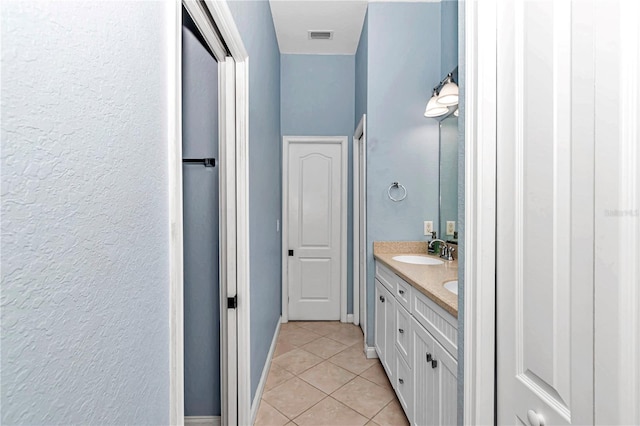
435, 108
449, 93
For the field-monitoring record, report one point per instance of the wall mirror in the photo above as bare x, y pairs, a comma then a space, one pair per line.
449, 179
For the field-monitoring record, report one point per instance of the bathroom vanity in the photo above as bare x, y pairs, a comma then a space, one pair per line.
416, 330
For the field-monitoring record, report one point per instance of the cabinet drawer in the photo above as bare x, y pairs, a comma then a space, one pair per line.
386, 277
404, 387
403, 334
403, 294
436, 320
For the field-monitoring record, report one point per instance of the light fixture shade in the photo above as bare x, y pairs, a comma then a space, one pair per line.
434, 108
448, 94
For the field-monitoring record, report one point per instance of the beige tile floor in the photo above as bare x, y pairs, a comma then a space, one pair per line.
320, 376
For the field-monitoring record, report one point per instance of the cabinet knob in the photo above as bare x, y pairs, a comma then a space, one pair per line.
434, 363
535, 419
382, 299
401, 291
428, 357
401, 381
401, 330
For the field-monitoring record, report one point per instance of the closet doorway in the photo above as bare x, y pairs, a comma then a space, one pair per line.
209, 317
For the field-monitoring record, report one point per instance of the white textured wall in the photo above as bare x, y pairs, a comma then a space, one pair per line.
84, 218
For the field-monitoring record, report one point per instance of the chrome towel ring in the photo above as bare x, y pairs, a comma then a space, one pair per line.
399, 186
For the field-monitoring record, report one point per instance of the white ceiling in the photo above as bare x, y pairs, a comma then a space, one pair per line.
293, 19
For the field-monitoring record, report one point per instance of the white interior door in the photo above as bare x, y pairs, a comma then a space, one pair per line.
315, 226
545, 213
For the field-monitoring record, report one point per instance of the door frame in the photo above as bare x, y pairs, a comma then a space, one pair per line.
480, 115
233, 69
359, 216
344, 143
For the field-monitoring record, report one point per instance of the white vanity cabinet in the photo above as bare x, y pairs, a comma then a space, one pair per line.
416, 341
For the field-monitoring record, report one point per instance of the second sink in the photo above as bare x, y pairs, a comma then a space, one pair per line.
418, 260
452, 286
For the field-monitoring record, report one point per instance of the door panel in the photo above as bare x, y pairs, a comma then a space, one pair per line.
446, 387
424, 376
315, 229
380, 321
536, 286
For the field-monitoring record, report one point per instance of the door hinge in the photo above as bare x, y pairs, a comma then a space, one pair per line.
232, 302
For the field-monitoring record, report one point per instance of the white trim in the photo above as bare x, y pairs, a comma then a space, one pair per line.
480, 215
227, 28
176, 265
344, 142
350, 319
370, 352
255, 405
244, 252
202, 420
196, 10
223, 18
359, 144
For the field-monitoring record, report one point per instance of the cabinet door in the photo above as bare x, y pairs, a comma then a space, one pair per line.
423, 376
380, 322
445, 387
390, 334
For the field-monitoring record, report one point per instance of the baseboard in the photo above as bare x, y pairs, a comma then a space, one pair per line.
265, 372
370, 352
350, 318
202, 420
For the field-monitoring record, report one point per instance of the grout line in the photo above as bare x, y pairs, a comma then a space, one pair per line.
285, 416
325, 397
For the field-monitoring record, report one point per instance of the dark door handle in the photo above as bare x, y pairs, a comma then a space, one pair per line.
401, 291
290, 252
401, 381
434, 363
401, 330
428, 357
382, 299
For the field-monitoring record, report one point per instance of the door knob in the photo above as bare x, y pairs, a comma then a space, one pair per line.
535, 419
434, 363
428, 357
401, 330
382, 299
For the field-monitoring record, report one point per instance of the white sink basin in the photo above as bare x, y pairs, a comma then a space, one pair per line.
452, 286
418, 260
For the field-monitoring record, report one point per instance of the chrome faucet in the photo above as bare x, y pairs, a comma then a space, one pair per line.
446, 251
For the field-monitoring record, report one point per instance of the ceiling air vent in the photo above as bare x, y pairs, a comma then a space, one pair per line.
320, 35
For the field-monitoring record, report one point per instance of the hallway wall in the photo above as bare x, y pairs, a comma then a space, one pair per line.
253, 19
402, 145
317, 98
85, 220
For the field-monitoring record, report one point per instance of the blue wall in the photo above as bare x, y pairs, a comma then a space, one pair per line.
449, 25
402, 143
255, 24
362, 55
318, 100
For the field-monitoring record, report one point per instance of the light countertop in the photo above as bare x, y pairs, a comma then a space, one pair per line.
427, 279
